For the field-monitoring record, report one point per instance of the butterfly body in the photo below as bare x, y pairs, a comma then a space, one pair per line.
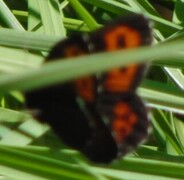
101, 116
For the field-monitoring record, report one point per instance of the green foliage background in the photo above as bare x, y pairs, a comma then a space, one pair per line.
28, 30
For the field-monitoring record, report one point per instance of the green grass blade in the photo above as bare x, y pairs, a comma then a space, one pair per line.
7, 16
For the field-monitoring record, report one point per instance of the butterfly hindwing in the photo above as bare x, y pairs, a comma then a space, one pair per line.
126, 117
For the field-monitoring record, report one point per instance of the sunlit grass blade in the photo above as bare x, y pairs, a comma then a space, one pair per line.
17, 60
83, 13
51, 17
163, 96
40, 166
7, 16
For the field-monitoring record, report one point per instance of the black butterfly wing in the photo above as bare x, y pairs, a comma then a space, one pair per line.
57, 104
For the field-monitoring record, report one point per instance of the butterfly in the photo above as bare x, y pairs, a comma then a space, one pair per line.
98, 115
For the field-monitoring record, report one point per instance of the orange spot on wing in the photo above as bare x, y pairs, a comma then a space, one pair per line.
130, 36
124, 121
73, 51
85, 88
120, 80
